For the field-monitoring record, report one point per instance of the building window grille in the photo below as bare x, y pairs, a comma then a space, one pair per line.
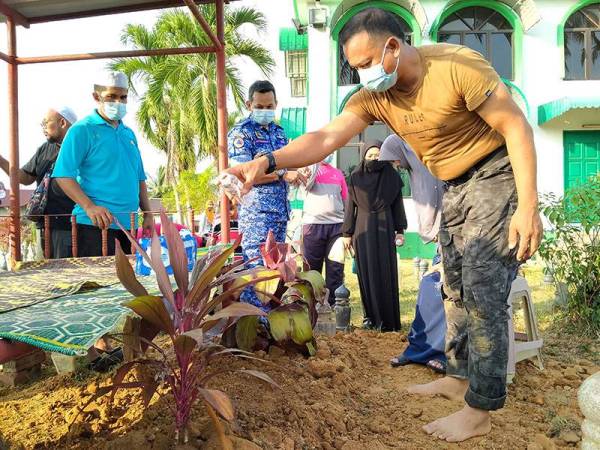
485, 31
582, 44
296, 71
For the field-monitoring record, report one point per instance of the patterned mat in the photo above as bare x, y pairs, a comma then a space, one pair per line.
36, 282
70, 324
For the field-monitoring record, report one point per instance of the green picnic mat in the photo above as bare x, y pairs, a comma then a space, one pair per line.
36, 282
70, 324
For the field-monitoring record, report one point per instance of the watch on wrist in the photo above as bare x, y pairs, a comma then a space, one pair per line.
272, 164
281, 172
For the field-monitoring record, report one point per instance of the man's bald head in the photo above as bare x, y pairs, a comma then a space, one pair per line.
55, 126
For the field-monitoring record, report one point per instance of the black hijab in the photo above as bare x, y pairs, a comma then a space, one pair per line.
375, 183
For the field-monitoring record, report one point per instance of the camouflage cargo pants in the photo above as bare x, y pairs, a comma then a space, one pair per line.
479, 269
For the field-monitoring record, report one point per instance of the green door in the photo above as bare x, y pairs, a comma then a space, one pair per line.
582, 156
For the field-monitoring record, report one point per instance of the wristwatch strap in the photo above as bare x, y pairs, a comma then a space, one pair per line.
272, 163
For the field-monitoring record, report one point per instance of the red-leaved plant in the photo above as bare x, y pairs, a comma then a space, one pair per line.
186, 314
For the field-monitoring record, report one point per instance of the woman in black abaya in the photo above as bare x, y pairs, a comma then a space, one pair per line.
374, 224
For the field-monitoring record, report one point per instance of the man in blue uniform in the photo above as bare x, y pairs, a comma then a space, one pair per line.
266, 206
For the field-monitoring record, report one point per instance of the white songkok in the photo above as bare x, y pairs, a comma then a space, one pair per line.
67, 113
113, 79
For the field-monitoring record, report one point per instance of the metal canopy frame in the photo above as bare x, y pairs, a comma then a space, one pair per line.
14, 18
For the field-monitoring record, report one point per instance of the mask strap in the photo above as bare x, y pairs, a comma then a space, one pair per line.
383, 56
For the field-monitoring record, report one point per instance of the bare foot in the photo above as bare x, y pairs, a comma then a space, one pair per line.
449, 387
460, 426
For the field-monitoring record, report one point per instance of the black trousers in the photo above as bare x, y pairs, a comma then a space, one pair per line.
89, 241
60, 243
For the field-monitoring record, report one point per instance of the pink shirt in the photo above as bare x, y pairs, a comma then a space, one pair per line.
326, 193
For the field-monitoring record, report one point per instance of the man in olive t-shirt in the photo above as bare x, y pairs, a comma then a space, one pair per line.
450, 106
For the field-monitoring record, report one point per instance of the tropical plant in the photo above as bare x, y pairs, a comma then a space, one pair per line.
293, 299
178, 113
193, 189
186, 315
571, 249
157, 186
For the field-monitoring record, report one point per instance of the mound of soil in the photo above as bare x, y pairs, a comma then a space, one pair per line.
346, 398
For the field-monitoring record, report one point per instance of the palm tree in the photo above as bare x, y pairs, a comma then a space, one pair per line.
177, 94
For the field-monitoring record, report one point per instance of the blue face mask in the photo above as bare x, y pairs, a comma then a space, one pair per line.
263, 116
376, 79
115, 110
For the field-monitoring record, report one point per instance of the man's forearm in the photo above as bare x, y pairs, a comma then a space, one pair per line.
24, 177
71, 187
521, 151
308, 149
144, 200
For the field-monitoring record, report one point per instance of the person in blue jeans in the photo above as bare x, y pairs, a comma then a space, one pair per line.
427, 335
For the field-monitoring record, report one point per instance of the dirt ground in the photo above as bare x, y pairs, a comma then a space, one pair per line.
348, 397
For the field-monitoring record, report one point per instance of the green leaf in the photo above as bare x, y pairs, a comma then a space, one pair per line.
152, 309
316, 281
246, 331
210, 271
219, 401
237, 309
126, 274
265, 281
291, 322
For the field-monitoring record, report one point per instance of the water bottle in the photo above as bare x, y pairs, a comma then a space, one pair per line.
325, 319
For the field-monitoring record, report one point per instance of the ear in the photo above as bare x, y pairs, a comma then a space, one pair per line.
96, 96
249, 105
396, 45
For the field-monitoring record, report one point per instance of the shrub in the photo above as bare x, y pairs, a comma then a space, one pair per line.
186, 315
291, 299
571, 249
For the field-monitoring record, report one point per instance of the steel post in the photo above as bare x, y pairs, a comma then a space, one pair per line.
222, 115
13, 143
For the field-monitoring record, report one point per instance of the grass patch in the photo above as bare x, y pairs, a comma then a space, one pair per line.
543, 295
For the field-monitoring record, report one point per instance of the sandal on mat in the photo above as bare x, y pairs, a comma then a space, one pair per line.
400, 360
437, 365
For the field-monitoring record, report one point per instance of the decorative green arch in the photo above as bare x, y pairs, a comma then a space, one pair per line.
347, 97
336, 28
507, 12
519, 91
561, 26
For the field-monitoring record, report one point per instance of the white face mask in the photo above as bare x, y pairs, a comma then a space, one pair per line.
375, 78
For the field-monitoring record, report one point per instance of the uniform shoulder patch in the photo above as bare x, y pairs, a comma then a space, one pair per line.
238, 142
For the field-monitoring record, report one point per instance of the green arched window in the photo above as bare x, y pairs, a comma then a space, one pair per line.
582, 44
486, 31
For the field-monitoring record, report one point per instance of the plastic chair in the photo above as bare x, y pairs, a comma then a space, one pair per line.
525, 345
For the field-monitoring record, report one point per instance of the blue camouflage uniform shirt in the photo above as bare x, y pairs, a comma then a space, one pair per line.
245, 141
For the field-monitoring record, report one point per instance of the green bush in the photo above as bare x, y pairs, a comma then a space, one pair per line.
571, 249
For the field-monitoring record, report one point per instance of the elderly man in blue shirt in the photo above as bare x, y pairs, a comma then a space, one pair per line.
265, 208
100, 168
